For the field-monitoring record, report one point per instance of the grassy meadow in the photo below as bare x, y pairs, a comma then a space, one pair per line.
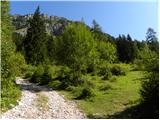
111, 96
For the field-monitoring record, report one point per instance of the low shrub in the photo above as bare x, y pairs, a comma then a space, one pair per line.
105, 87
113, 79
77, 91
85, 90
91, 68
107, 75
69, 77
117, 70
105, 71
63, 72
70, 88
36, 77
55, 84
88, 83
48, 75
29, 71
102, 69
86, 93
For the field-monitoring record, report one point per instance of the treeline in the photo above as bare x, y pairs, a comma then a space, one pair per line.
61, 61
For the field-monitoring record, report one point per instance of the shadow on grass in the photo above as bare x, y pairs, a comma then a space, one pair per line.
134, 112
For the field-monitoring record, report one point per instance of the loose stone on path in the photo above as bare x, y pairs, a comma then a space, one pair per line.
58, 107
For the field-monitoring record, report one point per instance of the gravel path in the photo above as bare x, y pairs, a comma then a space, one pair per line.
54, 106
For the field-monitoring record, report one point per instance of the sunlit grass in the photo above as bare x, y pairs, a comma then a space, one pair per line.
124, 92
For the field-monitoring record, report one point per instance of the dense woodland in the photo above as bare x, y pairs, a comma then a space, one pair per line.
64, 61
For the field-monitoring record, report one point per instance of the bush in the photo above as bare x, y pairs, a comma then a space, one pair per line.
105, 71
117, 70
86, 93
64, 76
105, 87
64, 72
113, 79
48, 75
18, 63
90, 68
55, 84
70, 88
69, 77
107, 75
88, 83
29, 71
36, 77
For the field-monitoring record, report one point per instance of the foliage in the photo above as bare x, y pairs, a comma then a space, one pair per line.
51, 48
70, 88
37, 75
69, 77
29, 71
117, 70
86, 93
35, 41
105, 87
10, 93
75, 48
48, 75
124, 91
152, 40
145, 56
55, 84
18, 40
150, 86
18, 63
10, 61
107, 51
96, 26
104, 71
126, 49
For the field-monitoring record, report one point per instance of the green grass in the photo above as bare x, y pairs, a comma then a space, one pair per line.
124, 93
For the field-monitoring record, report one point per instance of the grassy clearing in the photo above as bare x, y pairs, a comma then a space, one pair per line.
42, 101
115, 97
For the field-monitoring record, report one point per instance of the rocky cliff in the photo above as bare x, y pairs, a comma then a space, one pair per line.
54, 24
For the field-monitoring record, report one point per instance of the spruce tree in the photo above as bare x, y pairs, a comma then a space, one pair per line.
152, 40
35, 42
96, 27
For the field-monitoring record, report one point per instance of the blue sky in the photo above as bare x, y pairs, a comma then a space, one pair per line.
115, 18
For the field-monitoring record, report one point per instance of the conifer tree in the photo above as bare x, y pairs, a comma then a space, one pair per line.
96, 27
152, 40
35, 42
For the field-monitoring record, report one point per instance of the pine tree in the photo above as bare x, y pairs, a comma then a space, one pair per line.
126, 49
96, 27
152, 40
35, 42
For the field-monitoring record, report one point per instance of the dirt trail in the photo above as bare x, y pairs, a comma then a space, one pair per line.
40, 102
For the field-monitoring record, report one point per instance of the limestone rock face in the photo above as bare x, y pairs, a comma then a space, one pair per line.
54, 25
